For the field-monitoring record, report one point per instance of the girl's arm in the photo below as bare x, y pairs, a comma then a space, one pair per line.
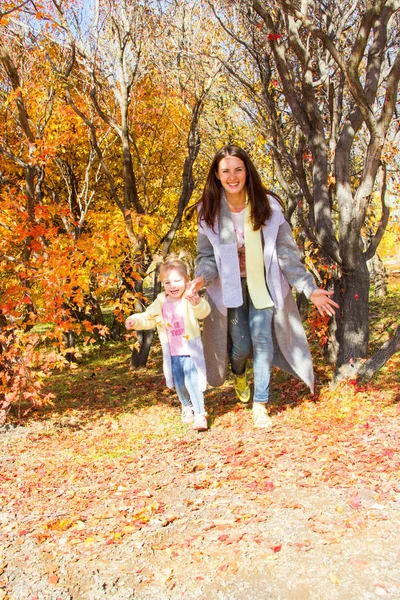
141, 321
130, 322
201, 309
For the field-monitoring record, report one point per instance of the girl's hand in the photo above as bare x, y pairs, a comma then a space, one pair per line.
130, 322
321, 299
193, 297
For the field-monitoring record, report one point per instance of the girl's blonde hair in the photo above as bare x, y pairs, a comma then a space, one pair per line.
173, 263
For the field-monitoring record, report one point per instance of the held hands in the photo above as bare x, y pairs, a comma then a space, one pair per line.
130, 322
192, 296
321, 299
192, 290
195, 285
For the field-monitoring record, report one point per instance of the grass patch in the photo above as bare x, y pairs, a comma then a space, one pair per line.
102, 382
384, 316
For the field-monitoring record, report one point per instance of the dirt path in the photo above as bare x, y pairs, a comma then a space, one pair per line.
136, 506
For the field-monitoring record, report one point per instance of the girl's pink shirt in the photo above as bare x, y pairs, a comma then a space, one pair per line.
173, 316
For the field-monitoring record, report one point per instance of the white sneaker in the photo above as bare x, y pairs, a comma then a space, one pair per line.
261, 417
200, 422
187, 415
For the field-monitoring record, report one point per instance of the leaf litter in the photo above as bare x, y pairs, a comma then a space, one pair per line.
120, 500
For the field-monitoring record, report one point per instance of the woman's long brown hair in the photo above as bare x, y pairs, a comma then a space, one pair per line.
210, 201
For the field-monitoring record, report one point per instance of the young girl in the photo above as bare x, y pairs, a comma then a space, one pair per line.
175, 313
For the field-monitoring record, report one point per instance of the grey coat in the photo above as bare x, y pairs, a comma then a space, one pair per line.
217, 261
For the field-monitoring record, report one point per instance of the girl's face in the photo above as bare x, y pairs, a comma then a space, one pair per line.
174, 284
232, 175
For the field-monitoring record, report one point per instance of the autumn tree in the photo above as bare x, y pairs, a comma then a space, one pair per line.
322, 83
49, 175
26, 110
124, 49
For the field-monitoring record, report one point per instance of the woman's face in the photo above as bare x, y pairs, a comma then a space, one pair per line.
232, 174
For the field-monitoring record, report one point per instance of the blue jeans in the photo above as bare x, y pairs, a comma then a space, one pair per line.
186, 382
250, 329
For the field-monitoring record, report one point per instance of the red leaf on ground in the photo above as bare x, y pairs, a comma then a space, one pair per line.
231, 539
354, 501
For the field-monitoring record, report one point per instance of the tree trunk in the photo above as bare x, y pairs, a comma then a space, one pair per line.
302, 305
377, 360
331, 349
378, 276
352, 324
130, 288
69, 342
139, 357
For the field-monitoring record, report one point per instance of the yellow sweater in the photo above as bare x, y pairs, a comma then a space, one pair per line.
152, 317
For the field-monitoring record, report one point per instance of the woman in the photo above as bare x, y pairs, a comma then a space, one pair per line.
248, 261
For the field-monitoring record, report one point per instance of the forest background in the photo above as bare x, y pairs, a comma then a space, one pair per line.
110, 113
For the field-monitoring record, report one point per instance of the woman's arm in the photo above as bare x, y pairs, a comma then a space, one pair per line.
206, 266
297, 275
290, 263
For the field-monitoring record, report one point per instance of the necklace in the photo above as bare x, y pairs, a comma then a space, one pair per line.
236, 209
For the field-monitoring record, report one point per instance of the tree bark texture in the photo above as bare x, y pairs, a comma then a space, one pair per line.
335, 97
372, 365
352, 331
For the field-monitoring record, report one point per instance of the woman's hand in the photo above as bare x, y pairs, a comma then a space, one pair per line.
321, 299
130, 322
195, 285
